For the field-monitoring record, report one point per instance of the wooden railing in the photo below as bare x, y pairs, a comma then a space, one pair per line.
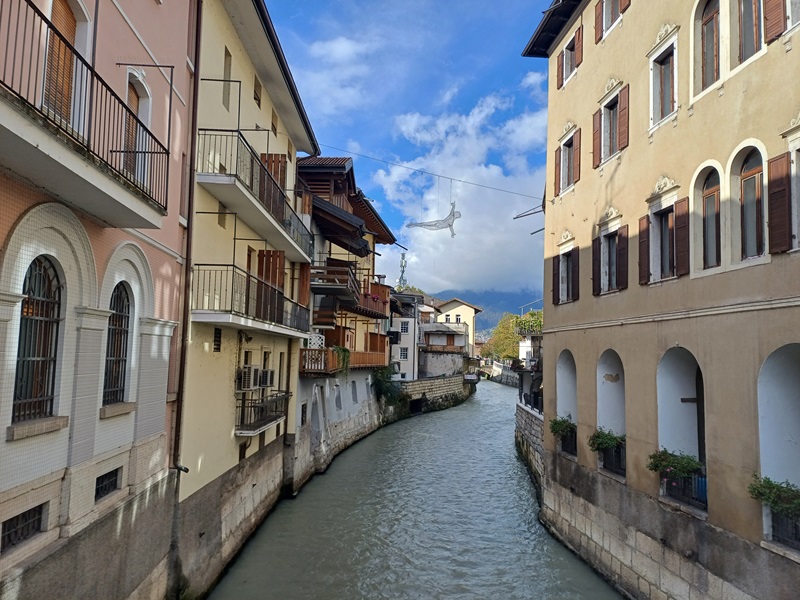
368, 359
335, 276
318, 360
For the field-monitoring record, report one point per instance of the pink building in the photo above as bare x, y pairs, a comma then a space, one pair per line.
93, 178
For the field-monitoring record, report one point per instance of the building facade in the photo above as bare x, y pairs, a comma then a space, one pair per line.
679, 215
458, 312
92, 182
406, 323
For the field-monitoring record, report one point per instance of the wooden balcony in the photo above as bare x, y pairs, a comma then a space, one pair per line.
366, 360
373, 301
319, 361
336, 281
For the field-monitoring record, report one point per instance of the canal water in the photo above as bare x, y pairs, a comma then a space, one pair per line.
434, 507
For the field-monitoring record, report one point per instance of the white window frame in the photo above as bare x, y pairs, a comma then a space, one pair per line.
447, 318
403, 326
565, 274
606, 229
608, 24
566, 173
657, 53
569, 65
403, 353
458, 318
792, 14
659, 204
606, 153
792, 136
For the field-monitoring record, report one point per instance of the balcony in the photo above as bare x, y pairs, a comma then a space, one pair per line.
366, 360
373, 302
233, 172
63, 128
319, 361
614, 459
569, 443
691, 490
254, 415
786, 530
336, 281
229, 296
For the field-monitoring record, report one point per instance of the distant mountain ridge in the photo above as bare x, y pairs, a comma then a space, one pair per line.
494, 303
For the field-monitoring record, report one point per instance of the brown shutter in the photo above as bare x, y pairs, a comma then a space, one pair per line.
131, 128
779, 204
576, 156
644, 250
558, 172
598, 21
560, 70
597, 139
682, 237
774, 19
276, 163
622, 257
576, 275
579, 46
304, 285
596, 254
624, 5
556, 279
60, 59
623, 117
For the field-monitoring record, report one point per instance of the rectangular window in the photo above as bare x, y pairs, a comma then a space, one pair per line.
663, 75
106, 484
217, 339
458, 318
566, 276
404, 327
257, 91
610, 280
447, 318
665, 224
611, 128
21, 527
289, 150
710, 41
403, 353
749, 28
569, 59
711, 246
752, 238
610, 13
794, 12
226, 76
568, 164
274, 123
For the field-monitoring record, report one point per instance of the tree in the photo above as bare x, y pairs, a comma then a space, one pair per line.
529, 323
411, 289
504, 342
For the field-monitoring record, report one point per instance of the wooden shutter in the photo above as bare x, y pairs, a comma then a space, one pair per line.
596, 257
276, 164
131, 127
644, 250
576, 275
60, 60
682, 237
779, 204
576, 156
598, 21
624, 94
304, 285
556, 279
624, 5
622, 257
597, 138
560, 70
557, 182
774, 19
579, 47
271, 267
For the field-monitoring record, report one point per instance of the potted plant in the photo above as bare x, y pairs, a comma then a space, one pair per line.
561, 426
673, 465
605, 439
782, 498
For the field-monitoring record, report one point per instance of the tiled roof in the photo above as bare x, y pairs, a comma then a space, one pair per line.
554, 20
325, 161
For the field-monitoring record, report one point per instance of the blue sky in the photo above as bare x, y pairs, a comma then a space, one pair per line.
440, 86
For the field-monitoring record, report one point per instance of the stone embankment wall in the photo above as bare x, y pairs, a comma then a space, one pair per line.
427, 395
651, 548
503, 374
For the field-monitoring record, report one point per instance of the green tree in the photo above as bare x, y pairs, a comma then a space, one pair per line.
411, 289
504, 342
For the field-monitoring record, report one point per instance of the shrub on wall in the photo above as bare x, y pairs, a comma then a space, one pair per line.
605, 439
673, 464
561, 426
782, 498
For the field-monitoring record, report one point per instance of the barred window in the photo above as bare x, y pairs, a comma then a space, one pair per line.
38, 342
21, 527
106, 484
117, 348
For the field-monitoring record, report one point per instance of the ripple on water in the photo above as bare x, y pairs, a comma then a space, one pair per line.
435, 507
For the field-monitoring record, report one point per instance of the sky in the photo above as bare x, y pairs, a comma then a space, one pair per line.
438, 92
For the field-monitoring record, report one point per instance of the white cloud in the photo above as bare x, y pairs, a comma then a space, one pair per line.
535, 81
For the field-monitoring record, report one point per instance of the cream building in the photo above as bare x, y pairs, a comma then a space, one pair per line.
671, 258
250, 304
458, 312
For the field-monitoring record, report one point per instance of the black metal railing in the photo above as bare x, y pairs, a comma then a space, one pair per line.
569, 443
786, 530
229, 289
106, 484
533, 400
40, 67
614, 459
226, 152
691, 490
255, 413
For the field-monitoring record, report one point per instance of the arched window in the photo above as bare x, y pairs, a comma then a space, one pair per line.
711, 228
117, 347
710, 43
611, 407
34, 388
752, 206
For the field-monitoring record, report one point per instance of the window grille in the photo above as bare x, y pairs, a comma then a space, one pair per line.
105, 484
38, 342
117, 348
21, 527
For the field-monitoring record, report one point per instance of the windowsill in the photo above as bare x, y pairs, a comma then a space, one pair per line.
793, 251
617, 154
789, 33
607, 293
671, 117
706, 272
563, 302
614, 476
114, 410
567, 190
749, 61
701, 515
569, 77
781, 550
664, 280
568, 456
26, 429
751, 261
705, 92
611, 28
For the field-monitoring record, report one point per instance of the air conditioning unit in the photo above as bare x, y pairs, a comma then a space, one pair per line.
267, 378
248, 379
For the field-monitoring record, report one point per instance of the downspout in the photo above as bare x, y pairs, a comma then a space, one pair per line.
175, 570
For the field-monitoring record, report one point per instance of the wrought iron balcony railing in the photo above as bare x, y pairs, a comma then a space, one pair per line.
254, 414
569, 443
229, 289
335, 280
43, 70
614, 459
226, 152
691, 490
786, 530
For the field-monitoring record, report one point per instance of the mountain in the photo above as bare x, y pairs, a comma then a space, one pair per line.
494, 303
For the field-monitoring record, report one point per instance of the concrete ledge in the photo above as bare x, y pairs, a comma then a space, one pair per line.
26, 429
114, 410
684, 508
781, 550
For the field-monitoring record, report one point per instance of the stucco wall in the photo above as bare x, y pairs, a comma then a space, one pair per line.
438, 364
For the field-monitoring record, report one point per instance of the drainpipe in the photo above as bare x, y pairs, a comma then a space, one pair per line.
174, 574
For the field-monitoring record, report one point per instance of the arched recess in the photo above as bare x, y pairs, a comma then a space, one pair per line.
611, 392
566, 386
779, 414
681, 403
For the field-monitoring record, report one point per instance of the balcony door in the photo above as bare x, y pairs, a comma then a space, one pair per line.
59, 65
270, 296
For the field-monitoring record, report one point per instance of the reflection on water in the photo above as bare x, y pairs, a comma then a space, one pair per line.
438, 506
